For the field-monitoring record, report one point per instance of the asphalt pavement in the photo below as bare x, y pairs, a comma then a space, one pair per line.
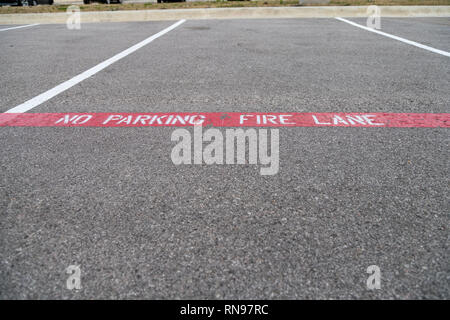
111, 201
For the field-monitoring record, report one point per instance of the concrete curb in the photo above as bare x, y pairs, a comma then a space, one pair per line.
227, 13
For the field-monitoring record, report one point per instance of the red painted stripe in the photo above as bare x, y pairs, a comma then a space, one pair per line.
226, 119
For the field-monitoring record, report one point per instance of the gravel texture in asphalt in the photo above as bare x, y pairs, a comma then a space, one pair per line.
111, 201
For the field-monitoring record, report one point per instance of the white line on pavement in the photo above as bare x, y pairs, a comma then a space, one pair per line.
34, 102
20, 27
416, 44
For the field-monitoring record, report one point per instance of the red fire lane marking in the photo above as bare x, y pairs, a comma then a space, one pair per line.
226, 119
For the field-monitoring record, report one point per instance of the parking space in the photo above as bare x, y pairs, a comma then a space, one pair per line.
37, 59
112, 201
433, 32
252, 66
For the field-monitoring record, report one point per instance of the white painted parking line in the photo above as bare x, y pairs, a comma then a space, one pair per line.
20, 27
416, 44
34, 102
